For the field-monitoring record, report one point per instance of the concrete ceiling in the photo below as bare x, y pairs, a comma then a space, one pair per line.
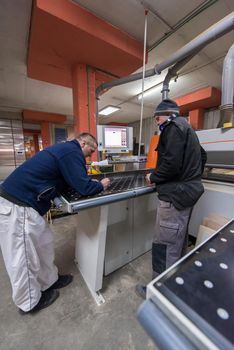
171, 24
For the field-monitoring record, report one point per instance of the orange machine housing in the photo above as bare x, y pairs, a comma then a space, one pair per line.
152, 154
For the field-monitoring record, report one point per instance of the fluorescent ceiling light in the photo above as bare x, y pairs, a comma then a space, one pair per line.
108, 110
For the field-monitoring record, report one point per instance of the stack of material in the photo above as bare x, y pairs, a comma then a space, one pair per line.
210, 224
222, 171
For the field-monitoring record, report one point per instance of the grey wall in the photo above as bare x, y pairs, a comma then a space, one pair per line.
211, 119
10, 115
148, 128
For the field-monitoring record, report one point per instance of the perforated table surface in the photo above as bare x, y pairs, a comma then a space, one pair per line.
123, 185
201, 288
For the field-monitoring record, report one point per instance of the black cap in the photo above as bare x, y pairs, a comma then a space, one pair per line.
166, 107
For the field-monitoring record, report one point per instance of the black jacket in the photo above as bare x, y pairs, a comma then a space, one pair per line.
180, 165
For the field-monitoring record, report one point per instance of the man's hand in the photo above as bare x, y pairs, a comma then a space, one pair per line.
147, 179
105, 183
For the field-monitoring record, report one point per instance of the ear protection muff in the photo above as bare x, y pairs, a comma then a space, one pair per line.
172, 117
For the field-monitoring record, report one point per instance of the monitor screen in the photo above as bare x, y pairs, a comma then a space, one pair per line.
115, 137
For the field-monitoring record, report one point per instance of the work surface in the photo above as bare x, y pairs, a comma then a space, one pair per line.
119, 182
123, 185
201, 287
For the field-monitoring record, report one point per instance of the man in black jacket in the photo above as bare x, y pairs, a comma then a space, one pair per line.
177, 176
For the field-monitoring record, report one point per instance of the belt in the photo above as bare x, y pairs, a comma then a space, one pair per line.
12, 199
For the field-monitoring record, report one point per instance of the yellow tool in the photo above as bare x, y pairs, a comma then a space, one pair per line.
94, 171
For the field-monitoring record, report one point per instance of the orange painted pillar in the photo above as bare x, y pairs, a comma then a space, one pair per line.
80, 99
45, 134
196, 118
84, 100
92, 102
35, 142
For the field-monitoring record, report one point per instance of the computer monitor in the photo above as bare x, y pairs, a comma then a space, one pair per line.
114, 139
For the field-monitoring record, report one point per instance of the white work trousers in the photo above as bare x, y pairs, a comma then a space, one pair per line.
26, 241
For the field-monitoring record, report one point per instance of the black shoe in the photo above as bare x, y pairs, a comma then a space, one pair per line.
47, 298
141, 291
62, 281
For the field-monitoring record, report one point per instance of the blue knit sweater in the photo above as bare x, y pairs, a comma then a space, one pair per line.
42, 177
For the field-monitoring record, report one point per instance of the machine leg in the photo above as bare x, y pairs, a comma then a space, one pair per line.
90, 248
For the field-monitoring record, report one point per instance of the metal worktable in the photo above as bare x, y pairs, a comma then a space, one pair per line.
113, 227
191, 305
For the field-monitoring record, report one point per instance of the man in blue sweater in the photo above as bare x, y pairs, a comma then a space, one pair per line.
26, 239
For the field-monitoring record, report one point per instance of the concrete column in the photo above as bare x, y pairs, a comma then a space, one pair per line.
196, 118
84, 100
45, 134
35, 142
92, 101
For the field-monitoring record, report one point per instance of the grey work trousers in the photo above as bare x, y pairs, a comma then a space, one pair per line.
171, 238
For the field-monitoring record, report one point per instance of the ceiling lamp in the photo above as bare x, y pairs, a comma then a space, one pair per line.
108, 110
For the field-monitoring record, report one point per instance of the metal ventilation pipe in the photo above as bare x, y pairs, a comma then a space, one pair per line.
172, 72
193, 47
226, 107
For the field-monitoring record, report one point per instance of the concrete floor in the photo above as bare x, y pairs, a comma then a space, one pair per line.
75, 321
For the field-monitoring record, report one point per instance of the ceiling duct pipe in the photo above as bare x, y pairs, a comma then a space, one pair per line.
214, 32
172, 72
226, 107
193, 47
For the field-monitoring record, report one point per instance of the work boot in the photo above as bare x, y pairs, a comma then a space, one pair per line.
141, 291
62, 281
47, 298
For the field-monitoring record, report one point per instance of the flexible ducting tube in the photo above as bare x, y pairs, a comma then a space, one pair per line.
227, 88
